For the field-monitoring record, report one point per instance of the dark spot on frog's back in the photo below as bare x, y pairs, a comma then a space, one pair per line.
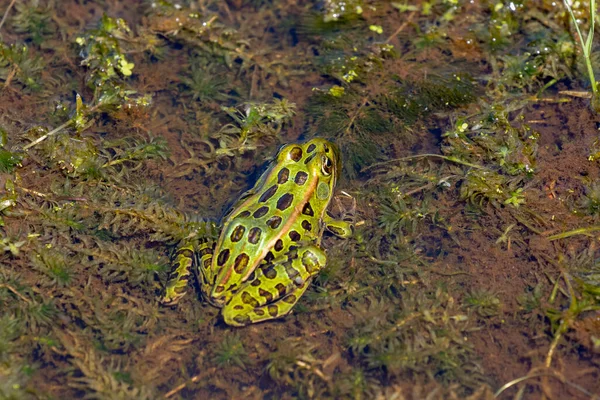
335, 230
301, 178
306, 225
309, 159
237, 233
243, 214
291, 299
295, 236
252, 276
240, 263
242, 320
223, 257
204, 251
296, 154
274, 222
307, 210
311, 148
261, 212
283, 176
270, 273
269, 257
267, 194
254, 235
278, 245
256, 282
285, 201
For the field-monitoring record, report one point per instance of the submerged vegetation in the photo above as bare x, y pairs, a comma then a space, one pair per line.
127, 128
587, 45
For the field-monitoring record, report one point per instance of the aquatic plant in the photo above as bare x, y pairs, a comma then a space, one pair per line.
399, 216
334, 10
56, 265
34, 20
231, 352
298, 364
252, 126
102, 183
423, 333
586, 48
363, 119
18, 64
589, 203
96, 375
204, 83
102, 54
484, 302
8, 160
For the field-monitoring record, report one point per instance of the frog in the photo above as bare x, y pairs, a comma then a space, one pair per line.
269, 248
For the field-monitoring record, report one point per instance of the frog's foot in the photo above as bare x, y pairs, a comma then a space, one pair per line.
274, 289
177, 284
342, 227
191, 253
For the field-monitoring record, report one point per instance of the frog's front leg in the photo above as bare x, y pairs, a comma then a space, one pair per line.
340, 228
274, 289
344, 226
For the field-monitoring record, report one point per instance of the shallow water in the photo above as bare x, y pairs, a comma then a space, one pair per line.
468, 144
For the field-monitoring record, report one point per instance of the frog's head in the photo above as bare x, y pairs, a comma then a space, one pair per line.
327, 161
320, 156
316, 160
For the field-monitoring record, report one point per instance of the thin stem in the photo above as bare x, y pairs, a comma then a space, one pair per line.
537, 373
44, 137
12, 3
15, 292
355, 115
401, 28
580, 231
60, 128
586, 45
447, 158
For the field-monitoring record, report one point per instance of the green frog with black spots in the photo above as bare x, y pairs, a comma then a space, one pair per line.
269, 248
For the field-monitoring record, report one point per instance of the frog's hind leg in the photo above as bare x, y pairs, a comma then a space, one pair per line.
275, 289
183, 263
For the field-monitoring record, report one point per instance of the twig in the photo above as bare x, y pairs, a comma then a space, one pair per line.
356, 113
10, 77
194, 379
60, 128
581, 231
401, 28
15, 292
34, 192
44, 137
447, 158
12, 3
541, 372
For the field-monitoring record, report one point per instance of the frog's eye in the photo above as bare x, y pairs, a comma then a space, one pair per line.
326, 166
